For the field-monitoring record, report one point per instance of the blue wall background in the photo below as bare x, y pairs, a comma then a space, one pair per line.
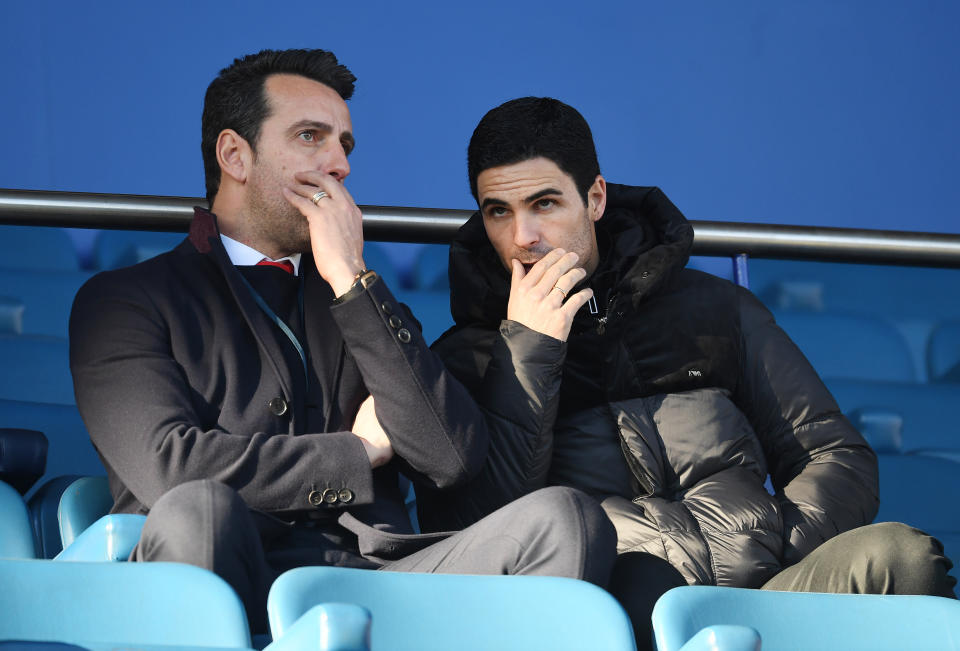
829, 113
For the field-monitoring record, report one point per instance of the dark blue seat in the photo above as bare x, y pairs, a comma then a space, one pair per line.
943, 353
46, 297
431, 309
36, 369
114, 249
36, 248
430, 268
850, 346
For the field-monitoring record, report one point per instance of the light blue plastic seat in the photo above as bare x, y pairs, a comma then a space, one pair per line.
82, 503
121, 604
446, 611
798, 620
16, 535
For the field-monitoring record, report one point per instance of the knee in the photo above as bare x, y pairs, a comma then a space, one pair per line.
912, 559
195, 511
574, 515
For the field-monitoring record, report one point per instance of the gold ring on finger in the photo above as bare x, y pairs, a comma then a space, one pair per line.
318, 196
557, 287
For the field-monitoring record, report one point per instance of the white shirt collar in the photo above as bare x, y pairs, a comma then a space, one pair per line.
243, 255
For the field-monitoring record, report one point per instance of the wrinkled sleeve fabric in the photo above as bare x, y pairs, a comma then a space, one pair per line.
824, 473
514, 374
433, 423
154, 430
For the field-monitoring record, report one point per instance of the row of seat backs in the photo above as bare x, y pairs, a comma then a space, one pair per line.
170, 604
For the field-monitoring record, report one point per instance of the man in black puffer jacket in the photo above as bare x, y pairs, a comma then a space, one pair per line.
666, 393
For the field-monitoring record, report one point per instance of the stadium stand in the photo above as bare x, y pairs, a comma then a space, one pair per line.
885, 339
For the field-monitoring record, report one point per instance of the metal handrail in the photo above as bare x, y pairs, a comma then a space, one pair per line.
397, 224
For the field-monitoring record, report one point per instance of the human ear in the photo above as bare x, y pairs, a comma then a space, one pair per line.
597, 199
234, 155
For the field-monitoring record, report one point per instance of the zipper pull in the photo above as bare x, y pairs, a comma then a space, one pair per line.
592, 304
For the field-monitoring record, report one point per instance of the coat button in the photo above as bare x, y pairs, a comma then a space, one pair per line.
315, 498
403, 335
345, 495
277, 406
330, 496
387, 307
395, 322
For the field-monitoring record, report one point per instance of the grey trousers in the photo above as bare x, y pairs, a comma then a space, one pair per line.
555, 531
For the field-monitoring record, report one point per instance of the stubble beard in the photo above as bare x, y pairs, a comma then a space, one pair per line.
273, 219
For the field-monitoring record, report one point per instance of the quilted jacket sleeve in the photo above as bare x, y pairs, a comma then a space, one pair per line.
514, 374
824, 472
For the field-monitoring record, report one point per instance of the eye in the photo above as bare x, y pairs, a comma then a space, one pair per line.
307, 136
496, 211
545, 204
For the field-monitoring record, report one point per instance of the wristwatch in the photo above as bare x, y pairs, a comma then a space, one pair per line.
361, 281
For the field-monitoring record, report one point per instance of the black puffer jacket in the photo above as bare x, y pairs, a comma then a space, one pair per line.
670, 405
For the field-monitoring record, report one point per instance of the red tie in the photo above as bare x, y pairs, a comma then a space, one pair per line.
286, 265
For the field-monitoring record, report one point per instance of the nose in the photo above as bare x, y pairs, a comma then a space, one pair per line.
526, 233
337, 164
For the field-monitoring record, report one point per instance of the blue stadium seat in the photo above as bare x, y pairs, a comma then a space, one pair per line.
36, 248
376, 257
16, 536
46, 297
36, 368
430, 269
111, 538
928, 418
446, 611
123, 605
114, 249
799, 620
70, 450
892, 291
11, 316
850, 346
43, 505
82, 503
943, 353
431, 309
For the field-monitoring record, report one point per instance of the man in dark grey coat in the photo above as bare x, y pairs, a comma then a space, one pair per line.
666, 393
257, 390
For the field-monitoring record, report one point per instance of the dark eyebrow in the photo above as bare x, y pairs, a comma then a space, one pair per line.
543, 193
490, 201
312, 124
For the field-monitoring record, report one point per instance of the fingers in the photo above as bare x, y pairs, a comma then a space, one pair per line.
574, 302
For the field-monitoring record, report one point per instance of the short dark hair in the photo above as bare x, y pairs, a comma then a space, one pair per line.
236, 99
533, 127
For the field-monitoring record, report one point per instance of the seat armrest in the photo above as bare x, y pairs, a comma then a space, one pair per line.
328, 627
724, 636
111, 538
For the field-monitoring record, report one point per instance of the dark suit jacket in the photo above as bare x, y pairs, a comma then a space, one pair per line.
177, 373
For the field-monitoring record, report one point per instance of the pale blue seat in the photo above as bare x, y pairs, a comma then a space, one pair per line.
121, 604
446, 611
82, 503
16, 535
797, 620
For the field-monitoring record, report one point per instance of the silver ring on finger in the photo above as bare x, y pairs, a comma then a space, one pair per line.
318, 196
557, 287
